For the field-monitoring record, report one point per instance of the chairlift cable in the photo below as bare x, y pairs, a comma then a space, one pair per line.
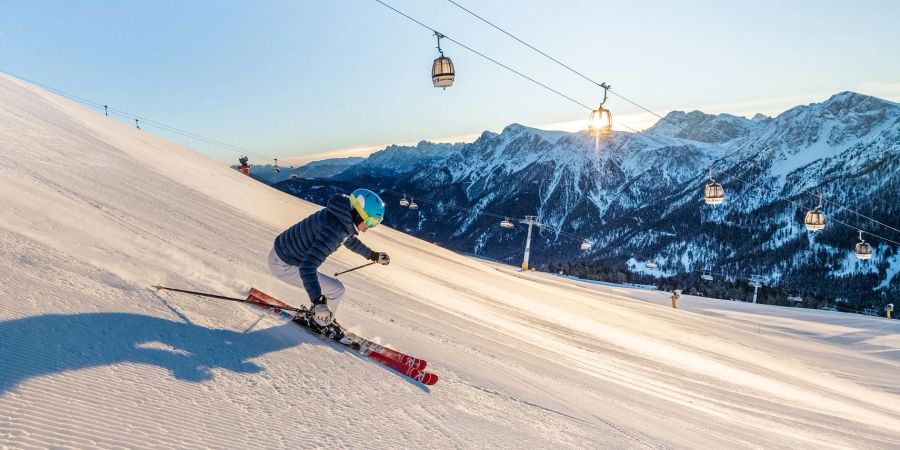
126, 115
523, 42
444, 36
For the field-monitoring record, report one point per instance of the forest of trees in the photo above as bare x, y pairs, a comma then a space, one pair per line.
739, 289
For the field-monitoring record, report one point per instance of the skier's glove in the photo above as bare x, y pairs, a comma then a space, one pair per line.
380, 258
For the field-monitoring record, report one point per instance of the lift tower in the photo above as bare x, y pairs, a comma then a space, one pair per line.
530, 221
756, 281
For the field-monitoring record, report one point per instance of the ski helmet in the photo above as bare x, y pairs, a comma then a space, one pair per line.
368, 205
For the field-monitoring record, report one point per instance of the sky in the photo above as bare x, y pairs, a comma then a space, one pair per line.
303, 79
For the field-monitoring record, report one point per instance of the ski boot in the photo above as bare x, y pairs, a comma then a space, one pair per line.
333, 331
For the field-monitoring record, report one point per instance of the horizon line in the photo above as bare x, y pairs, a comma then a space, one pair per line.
641, 121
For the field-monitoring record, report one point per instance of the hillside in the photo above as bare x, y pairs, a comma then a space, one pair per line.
93, 212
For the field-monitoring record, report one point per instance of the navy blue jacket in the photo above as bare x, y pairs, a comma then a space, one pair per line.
310, 241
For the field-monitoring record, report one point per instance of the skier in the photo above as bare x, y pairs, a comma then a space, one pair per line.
301, 249
676, 294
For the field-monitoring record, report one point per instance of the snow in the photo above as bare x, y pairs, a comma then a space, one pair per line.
551, 136
93, 212
821, 131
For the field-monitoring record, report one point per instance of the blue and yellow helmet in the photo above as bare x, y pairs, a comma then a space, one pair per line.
368, 205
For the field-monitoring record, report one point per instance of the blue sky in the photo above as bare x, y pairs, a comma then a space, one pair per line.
288, 78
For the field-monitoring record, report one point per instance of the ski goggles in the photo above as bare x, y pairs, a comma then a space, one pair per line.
371, 222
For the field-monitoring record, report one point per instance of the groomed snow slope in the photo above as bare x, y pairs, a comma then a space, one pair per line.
93, 212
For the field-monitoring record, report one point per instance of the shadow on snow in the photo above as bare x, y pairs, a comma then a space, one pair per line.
41, 345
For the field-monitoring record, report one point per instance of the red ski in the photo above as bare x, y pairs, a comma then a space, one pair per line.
426, 378
402, 358
399, 361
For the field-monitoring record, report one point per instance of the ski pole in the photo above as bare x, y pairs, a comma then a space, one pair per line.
231, 299
356, 268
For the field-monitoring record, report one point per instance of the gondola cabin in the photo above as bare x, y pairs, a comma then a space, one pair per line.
713, 193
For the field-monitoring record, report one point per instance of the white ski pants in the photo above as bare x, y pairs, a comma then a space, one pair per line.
332, 288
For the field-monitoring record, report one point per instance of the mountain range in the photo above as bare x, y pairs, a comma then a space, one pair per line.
638, 198
325, 168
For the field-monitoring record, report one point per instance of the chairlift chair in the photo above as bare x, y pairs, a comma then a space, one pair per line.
707, 275
585, 245
404, 201
412, 204
650, 265
505, 223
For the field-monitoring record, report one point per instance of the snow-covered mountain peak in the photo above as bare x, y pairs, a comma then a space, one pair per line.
702, 127
760, 117
842, 106
398, 159
849, 102
514, 129
830, 126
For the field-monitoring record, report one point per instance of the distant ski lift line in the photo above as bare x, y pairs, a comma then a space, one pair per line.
723, 275
130, 116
